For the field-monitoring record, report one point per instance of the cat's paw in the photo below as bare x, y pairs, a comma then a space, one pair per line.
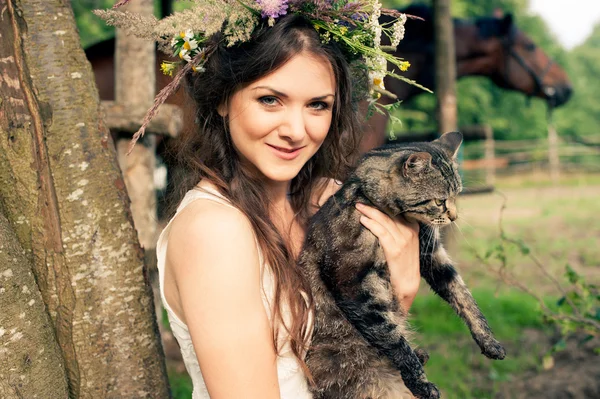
426, 390
493, 349
422, 355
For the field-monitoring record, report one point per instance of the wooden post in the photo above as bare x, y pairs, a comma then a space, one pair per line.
445, 85
490, 169
135, 78
135, 88
445, 67
553, 158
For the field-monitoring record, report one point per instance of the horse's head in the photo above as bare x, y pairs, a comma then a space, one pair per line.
512, 60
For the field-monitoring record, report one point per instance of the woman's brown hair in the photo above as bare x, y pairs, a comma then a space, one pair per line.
209, 153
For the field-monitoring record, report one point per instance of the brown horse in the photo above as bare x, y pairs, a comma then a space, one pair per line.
488, 46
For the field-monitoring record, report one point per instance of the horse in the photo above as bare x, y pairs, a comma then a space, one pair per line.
488, 46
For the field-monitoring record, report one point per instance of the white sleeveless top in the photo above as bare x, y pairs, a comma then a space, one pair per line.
292, 382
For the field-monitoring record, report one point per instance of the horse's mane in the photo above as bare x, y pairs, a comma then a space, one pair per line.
419, 10
419, 32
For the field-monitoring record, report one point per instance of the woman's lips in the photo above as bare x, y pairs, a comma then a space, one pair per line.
285, 153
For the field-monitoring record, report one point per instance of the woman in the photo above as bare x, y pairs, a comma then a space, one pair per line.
277, 124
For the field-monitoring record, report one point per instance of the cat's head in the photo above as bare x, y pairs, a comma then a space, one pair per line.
419, 180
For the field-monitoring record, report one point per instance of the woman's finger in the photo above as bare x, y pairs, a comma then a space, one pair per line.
379, 217
380, 231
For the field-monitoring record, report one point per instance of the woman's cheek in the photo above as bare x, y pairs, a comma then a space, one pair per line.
321, 127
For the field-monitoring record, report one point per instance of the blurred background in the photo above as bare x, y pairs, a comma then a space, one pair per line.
527, 239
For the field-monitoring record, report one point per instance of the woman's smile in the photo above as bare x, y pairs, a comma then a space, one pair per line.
286, 153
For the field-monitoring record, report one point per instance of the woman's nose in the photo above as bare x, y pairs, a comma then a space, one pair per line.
294, 127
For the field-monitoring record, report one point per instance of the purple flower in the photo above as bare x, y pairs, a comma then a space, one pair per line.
272, 8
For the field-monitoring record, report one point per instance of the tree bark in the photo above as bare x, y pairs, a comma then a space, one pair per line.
30, 360
64, 196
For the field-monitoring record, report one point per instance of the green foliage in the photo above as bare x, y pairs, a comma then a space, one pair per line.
581, 116
579, 307
91, 28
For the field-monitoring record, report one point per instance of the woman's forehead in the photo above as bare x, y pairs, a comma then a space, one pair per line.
304, 73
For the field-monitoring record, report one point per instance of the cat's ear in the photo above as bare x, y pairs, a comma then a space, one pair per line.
450, 142
416, 163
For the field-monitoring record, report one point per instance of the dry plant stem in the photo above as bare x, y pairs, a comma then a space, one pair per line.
504, 276
509, 281
385, 92
533, 258
120, 3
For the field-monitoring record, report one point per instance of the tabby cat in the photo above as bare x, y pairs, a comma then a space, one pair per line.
360, 338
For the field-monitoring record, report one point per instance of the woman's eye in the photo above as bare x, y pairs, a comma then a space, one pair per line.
319, 105
440, 202
268, 100
530, 46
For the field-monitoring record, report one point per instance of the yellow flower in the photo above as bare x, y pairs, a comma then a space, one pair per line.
377, 81
343, 30
167, 68
405, 65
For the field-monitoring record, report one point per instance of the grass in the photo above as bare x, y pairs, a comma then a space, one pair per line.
559, 224
456, 364
181, 384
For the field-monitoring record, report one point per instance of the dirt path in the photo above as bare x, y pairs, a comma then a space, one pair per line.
575, 375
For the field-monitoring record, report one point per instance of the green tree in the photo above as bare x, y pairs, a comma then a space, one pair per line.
581, 116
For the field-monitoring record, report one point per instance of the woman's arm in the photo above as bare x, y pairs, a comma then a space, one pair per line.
214, 258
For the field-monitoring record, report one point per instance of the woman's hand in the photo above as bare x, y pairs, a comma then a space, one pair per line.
399, 240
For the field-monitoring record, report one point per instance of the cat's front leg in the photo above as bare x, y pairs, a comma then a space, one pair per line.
440, 274
374, 312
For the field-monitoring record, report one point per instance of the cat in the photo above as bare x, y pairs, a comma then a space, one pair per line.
360, 347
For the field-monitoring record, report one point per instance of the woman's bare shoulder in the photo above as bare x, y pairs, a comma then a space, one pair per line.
209, 231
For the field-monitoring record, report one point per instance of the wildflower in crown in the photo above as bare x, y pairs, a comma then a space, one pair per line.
272, 9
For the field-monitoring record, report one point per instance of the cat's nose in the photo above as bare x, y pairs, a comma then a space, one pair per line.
452, 215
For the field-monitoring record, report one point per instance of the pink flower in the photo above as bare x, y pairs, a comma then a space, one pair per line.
272, 8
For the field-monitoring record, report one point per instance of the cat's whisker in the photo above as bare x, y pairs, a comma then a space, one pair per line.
429, 240
465, 221
471, 246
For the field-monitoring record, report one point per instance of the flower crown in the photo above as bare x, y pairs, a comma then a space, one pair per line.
353, 24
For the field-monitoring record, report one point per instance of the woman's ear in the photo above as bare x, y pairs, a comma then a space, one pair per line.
222, 109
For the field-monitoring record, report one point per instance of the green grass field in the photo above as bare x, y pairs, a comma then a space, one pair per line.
560, 224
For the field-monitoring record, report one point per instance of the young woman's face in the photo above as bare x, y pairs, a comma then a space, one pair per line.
278, 122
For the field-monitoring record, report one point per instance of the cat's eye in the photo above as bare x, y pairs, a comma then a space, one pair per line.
439, 202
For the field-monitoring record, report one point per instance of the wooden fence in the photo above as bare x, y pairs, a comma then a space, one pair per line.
527, 156
483, 158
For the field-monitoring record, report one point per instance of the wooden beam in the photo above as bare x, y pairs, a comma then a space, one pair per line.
168, 121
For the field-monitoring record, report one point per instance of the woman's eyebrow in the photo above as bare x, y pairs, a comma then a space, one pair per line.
283, 95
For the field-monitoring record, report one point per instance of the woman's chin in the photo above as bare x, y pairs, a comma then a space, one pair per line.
281, 175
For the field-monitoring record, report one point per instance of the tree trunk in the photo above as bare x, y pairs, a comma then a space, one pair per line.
30, 359
64, 196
